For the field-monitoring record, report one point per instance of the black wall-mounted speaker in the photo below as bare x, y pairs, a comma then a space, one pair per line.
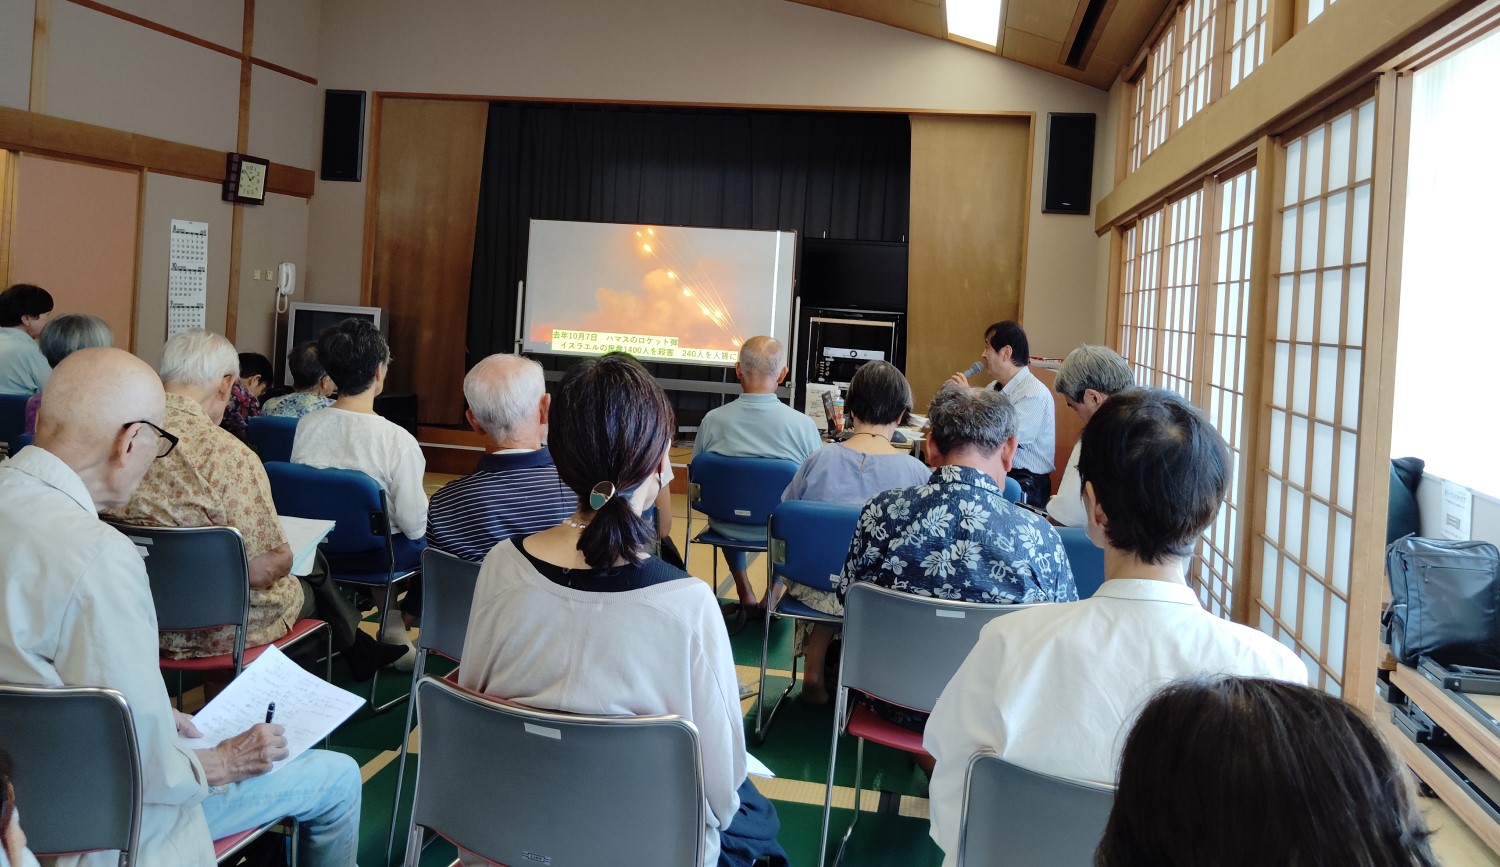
343, 135
1068, 184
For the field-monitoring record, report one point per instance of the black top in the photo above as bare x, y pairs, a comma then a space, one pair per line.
616, 579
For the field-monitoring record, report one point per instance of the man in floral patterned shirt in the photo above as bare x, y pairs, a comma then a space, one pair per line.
957, 537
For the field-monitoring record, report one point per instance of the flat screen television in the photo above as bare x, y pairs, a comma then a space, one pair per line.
852, 275
305, 321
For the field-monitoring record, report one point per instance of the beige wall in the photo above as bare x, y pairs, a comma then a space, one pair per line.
16, 17
170, 198
741, 52
75, 237
275, 232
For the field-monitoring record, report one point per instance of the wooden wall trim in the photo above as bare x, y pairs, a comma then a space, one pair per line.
54, 136
767, 106
241, 144
242, 53
1341, 49
41, 38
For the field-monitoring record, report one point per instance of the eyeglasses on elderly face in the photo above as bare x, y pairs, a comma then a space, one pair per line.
165, 442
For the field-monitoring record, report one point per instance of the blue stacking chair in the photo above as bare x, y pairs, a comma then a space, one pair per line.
12, 417
362, 549
20, 441
271, 436
808, 543
735, 491
1086, 558
1012, 492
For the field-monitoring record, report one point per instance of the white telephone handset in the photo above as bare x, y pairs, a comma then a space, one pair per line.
286, 284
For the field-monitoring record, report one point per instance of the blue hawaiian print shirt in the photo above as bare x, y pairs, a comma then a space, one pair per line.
957, 537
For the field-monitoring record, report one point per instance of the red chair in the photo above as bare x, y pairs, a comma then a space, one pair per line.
902, 649
200, 579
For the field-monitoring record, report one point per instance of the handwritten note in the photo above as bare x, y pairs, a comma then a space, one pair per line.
187, 276
308, 706
304, 535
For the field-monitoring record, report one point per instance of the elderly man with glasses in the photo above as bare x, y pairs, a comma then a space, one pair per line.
211, 479
78, 612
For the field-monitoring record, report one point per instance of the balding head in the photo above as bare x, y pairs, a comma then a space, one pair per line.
507, 400
762, 364
89, 418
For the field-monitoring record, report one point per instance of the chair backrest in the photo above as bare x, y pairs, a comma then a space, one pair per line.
20, 441
905, 648
199, 577
1012, 492
352, 500
1086, 559
1018, 817
522, 786
809, 541
77, 768
737, 490
12, 416
271, 436
447, 595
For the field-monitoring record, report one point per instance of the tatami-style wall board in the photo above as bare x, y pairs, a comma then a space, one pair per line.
170, 198
274, 99
110, 72
16, 20
286, 33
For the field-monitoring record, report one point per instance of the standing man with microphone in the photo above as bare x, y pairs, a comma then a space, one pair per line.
1007, 358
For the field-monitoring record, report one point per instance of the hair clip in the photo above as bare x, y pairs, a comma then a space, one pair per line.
598, 497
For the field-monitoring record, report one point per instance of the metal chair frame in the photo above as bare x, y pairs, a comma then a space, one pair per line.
756, 513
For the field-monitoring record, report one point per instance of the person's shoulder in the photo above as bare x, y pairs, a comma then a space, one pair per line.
1278, 660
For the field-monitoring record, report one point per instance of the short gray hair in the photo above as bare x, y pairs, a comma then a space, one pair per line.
763, 356
1093, 367
198, 357
502, 390
71, 332
978, 418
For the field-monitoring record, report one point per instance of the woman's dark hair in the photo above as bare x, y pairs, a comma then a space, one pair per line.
23, 299
255, 364
1251, 771
878, 394
351, 352
1159, 470
303, 362
1009, 333
610, 422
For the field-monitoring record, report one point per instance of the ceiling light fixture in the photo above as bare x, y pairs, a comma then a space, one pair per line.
974, 20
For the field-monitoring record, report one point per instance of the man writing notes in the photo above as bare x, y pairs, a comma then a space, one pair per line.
1007, 358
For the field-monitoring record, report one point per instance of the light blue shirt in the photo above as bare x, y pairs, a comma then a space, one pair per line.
23, 367
756, 426
839, 474
1036, 424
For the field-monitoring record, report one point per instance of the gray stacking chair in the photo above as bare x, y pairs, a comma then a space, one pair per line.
77, 768
1021, 818
903, 649
522, 786
447, 595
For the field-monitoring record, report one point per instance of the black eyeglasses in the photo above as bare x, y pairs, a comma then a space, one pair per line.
165, 442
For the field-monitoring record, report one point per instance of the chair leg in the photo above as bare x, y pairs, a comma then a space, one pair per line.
763, 728
381, 611
833, 763
859, 763
416, 674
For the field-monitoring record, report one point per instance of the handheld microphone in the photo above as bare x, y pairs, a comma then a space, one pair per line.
974, 369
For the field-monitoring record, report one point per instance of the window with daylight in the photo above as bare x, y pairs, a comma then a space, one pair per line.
1247, 39
1316, 346
1194, 63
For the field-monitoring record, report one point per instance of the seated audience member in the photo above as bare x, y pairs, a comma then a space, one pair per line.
349, 435
62, 337
755, 425
79, 613
580, 618
244, 400
1054, 688
1007, 358
1259, 772
211, 479
312, 384
24, 310
515, 490
1090, 375
851, 472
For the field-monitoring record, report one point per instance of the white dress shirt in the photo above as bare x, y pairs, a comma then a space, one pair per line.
383, 450
1035, 422
1066, 506
76, 610
1056, 688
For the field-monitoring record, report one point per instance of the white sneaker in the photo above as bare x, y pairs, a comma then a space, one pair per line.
393, 631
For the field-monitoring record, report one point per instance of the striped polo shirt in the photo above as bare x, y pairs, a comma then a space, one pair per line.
512, 493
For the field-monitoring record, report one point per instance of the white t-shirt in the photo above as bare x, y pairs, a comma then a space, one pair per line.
1056, 688
1066, 506
384, 451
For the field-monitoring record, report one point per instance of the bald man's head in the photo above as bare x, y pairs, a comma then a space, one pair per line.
761, 364
88, 416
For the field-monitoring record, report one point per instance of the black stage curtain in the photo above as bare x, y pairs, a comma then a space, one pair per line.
844, 175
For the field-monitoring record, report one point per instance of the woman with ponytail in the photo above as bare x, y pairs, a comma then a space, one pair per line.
582, 618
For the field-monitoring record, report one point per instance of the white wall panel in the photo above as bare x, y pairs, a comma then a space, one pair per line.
286, 33
16, 20
275, 232
281, 118
171, 198
221, 22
